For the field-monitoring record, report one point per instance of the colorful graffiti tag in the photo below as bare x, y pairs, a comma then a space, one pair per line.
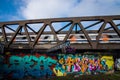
19, 66
83, 64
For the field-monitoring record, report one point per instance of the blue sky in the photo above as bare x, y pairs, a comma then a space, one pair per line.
11, 10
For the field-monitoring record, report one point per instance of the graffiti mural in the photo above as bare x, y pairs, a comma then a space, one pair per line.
83, 64
20, 66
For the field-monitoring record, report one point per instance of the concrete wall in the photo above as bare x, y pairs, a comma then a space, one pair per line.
42, 65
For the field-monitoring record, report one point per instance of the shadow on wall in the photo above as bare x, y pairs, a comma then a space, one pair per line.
42, 65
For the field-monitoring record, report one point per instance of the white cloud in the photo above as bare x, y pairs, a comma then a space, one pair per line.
36, 9
96, 7
46, 8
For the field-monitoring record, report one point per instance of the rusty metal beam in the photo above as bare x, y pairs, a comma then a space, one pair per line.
13, 37
115, 28
68, 33
31, 29
10, 28
85, 46
105, 46
86, 18
76, 29
100, 32
86, 35
3, 32
91, 25
64, 27
39, 34
27, 34
66, 37
54, 32
111, 27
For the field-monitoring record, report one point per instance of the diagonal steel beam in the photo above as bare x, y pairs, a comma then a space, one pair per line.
68, 33
27, 34
115, 27
10, 28
91, 25
31, 29
66, 37
86, 35
16, 32
111, 27
39, 34
4, 33
64, 27
108, 28
100, 32
54, 32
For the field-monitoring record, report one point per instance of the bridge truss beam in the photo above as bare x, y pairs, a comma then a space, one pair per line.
75, 25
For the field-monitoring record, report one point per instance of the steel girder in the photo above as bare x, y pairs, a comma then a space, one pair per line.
73, 22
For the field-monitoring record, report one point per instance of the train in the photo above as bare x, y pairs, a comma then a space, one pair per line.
79, 38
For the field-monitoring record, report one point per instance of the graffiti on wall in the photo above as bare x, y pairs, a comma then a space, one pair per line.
117, 64
20, 66
83, 64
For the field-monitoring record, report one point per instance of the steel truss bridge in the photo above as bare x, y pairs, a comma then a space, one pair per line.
47, 34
